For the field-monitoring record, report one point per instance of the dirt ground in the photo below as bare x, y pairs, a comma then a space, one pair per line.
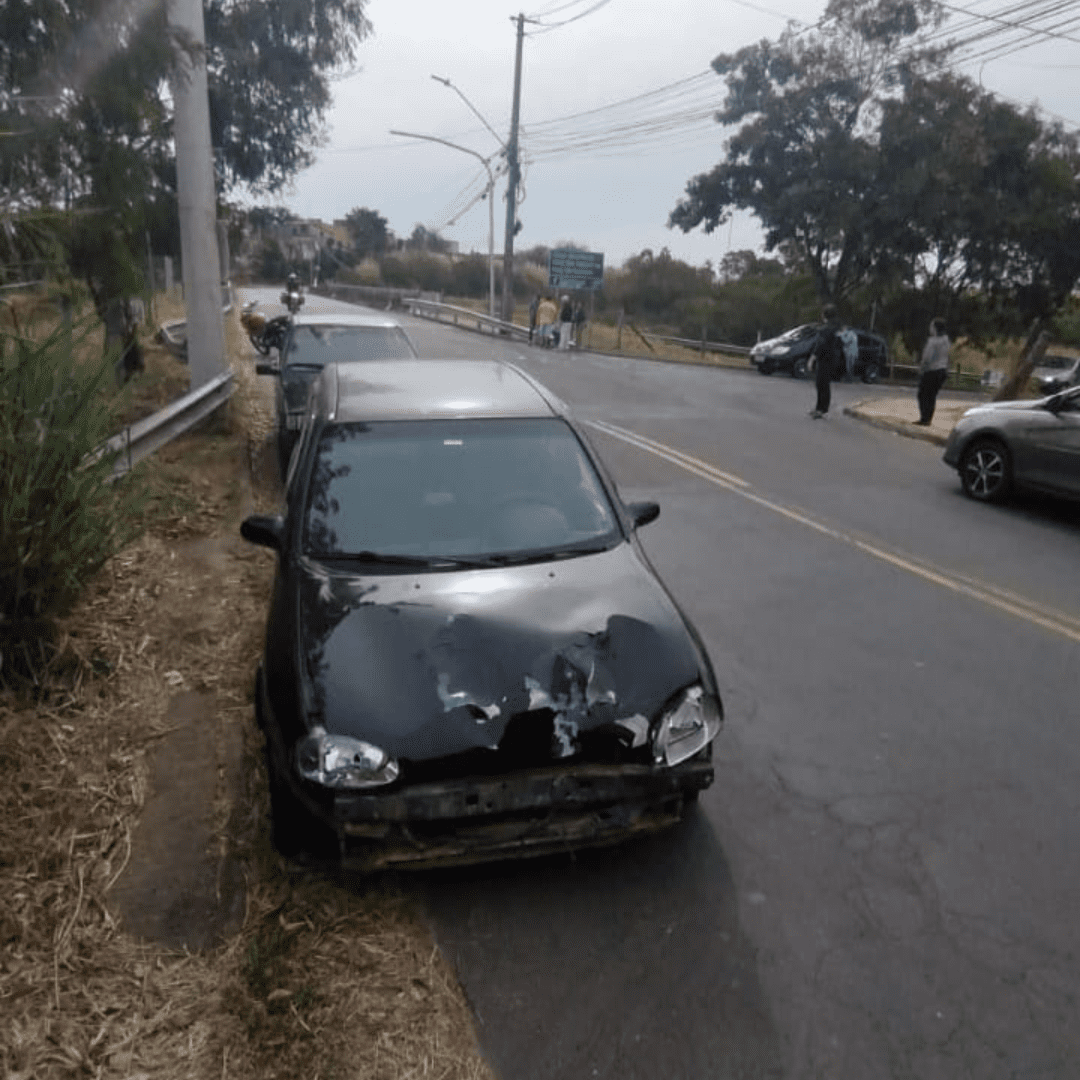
319, 977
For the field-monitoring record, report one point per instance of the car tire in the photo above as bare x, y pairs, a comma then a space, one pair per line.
871, 372
800, 367
294, 831
766, 367
985, 471
284, 452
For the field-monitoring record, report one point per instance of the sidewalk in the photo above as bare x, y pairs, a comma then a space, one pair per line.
899, 413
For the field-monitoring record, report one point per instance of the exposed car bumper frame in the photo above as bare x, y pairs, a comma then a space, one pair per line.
531, 813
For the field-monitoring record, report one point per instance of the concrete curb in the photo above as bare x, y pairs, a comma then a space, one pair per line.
899, 427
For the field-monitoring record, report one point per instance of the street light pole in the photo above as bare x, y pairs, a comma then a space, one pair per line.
485, 161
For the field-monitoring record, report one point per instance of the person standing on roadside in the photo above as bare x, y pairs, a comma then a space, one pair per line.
534, 307
579, 323
851, 351
828, 362
546, 314
933, 371
566, 319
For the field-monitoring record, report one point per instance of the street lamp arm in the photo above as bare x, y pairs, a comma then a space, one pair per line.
453, 146
485, 161
475, 110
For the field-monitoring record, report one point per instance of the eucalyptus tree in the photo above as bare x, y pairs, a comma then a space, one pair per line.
807, 107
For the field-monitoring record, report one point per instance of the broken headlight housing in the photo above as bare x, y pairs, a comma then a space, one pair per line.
686, 728
340, 761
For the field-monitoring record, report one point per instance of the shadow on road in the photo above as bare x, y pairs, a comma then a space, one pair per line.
626, 962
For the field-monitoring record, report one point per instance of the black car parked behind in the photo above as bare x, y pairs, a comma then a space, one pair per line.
791, 352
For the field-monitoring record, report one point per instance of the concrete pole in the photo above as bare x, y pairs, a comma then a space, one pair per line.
491, 243
195, 194
512, 182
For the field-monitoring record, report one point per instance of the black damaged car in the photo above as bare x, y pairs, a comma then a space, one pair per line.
468, 654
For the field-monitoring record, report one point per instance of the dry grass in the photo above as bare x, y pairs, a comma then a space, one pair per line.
326, 978
164, 378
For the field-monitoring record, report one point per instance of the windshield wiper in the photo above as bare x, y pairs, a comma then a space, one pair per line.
381, 559
550, 555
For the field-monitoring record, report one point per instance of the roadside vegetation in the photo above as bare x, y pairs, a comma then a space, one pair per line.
325, 978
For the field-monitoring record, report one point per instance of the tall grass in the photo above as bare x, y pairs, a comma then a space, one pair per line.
60, 517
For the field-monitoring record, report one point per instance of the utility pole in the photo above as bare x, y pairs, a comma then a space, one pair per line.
195, 194
512, 182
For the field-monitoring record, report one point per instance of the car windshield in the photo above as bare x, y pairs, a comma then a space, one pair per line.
316, 346
493, 490
1057, 363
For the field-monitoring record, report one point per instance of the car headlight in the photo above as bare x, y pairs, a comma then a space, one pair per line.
339, 761
780, 350
687, 728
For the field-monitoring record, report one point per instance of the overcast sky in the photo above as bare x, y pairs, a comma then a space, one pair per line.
579, 186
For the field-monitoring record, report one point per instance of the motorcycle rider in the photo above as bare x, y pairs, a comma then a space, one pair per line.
292, 297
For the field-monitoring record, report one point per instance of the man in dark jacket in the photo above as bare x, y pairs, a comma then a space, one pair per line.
828, 362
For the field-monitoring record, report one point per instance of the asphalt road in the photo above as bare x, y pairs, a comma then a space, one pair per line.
884, 880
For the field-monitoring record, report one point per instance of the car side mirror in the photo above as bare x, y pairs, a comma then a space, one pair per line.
266, 367
264, 530
641, 513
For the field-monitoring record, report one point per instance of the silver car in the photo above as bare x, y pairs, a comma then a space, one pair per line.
1005, 445
314, 340
1056, 373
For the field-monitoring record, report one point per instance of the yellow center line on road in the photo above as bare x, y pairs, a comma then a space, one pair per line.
1056, 622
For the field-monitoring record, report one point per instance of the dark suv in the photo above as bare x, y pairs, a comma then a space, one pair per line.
791, 351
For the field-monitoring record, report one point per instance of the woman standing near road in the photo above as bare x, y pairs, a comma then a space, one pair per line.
933, 371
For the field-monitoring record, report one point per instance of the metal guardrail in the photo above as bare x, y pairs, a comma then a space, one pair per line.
459, 316
173, 334
470, 319
706, 346
141, 439
383, 296
957, 380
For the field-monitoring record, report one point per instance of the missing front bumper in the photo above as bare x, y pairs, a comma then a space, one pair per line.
517, 816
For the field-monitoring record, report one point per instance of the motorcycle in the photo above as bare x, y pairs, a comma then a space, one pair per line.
293, 300
263, 333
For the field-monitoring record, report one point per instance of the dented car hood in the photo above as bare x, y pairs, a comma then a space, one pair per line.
434, 664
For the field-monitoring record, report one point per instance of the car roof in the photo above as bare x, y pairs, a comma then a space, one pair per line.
430, 389
327, 318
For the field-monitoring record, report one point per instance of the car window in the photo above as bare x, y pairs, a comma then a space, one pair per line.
799, 332
316, 346
1056, 363
454, 488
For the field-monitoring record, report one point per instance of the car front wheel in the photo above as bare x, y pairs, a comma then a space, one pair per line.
296, 833
870, 373
985, 471
766, 367
799, 367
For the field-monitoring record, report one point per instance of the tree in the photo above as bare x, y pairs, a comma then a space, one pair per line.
803, 161
424, 239
654, 285
84, 89
981, 205
368, 231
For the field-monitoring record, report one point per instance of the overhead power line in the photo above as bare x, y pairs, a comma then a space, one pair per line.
545, 28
